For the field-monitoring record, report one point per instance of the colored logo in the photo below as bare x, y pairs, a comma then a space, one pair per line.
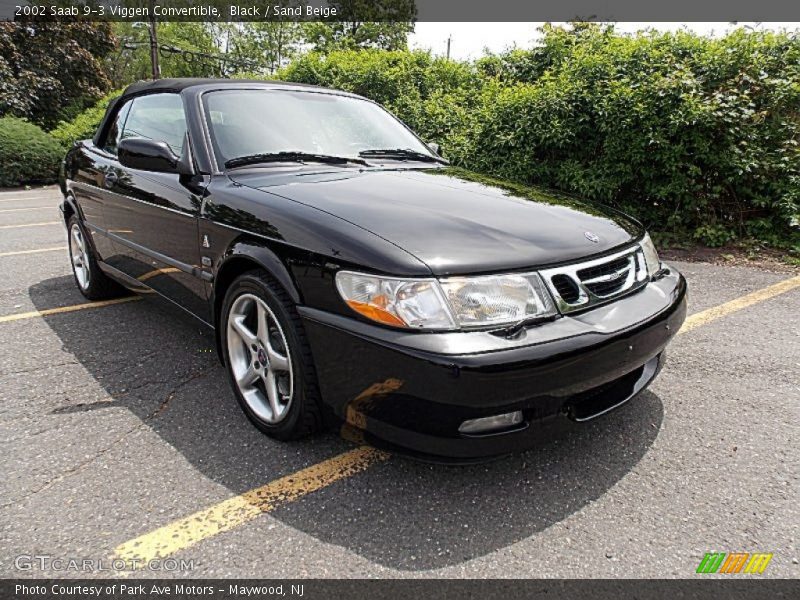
734, 562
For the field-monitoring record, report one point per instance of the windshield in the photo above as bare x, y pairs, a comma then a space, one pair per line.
250, 122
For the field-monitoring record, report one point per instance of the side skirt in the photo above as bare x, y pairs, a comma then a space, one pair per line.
141, 288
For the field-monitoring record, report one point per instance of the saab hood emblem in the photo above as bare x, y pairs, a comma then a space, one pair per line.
592, 237
206, 243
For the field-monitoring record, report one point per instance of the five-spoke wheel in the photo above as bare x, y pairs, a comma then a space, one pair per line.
259, 358
268, 359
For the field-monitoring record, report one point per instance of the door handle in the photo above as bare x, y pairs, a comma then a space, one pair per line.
111, 179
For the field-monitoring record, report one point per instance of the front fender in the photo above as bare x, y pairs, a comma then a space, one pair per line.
269, 261
244, 255
241, 257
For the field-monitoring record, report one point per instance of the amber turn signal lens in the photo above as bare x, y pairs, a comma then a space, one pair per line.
406, 303
376, 313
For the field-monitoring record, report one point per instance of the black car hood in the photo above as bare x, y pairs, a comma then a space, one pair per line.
455, 221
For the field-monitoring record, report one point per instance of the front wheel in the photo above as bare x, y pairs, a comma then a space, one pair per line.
268, 359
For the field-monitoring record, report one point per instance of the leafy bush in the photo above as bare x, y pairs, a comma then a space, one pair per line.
85, 124
27, 154
688, 133
695, 136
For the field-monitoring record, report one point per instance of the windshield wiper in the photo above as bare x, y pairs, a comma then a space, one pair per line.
401, 154
291, 156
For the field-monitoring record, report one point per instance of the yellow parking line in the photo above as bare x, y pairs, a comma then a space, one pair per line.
706, 316
240, 509
8, 210
18, 252
31, 225
75, 307
65, 309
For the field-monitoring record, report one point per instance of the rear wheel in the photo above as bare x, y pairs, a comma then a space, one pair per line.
268, 359
90, 279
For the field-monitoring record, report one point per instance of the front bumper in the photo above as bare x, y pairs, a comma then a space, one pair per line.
412, 390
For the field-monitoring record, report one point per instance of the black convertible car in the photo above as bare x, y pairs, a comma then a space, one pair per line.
349, 271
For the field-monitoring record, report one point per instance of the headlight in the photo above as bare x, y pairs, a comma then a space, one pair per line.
650, 255
414, 303
453, 303
497, 299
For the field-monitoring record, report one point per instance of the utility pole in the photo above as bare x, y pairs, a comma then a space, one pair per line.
153, 42
449, 37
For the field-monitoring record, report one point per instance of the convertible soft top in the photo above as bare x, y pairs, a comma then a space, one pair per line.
177, 85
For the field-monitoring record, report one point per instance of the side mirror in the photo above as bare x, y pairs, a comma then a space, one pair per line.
435, 147
149, 155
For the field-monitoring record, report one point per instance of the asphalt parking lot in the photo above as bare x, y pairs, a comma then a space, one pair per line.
120, 438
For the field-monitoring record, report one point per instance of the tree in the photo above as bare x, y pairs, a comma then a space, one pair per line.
383, 24
269, 44
212, 49
181, 48
52, 71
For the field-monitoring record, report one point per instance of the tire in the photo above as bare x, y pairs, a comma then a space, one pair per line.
90, 279
272, 374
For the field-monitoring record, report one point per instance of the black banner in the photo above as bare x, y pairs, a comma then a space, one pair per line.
730, 588
401, 10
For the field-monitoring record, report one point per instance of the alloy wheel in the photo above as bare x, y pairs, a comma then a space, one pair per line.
79, 255
259, 358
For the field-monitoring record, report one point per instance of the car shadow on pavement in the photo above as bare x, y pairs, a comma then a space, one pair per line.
160, 364
412, 516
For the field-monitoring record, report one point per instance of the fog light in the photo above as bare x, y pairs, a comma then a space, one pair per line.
485, 424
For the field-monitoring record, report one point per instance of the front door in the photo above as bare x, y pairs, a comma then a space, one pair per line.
153, 217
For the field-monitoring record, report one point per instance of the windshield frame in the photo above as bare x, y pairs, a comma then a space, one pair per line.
219, 166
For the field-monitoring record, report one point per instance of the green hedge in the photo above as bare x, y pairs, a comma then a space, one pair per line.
85, 124
27, 154
696, 136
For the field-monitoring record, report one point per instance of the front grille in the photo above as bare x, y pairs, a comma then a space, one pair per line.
603, 269
583, 285
606, 288
607, 278
566, 288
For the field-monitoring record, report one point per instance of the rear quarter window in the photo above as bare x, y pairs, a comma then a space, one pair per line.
115, 131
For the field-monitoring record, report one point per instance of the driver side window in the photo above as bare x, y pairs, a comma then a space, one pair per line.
157, 117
